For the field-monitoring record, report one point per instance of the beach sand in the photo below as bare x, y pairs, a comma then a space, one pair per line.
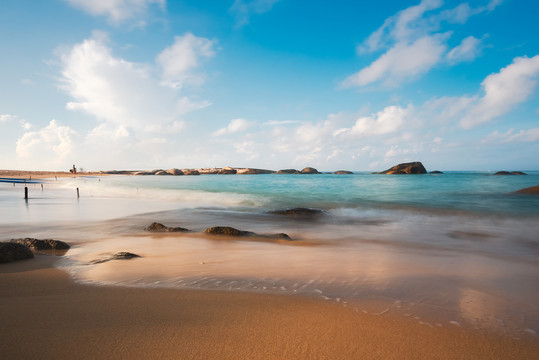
45, 315
23, 174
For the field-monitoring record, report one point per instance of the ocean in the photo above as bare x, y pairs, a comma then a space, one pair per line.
454, 249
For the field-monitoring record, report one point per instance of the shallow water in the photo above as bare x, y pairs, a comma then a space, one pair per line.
449, 249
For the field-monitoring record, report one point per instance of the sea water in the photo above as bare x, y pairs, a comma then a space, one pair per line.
459, 247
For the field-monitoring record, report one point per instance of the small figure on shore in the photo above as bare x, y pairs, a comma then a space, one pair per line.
74, 170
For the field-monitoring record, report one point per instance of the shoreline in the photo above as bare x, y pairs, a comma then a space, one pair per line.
46, 314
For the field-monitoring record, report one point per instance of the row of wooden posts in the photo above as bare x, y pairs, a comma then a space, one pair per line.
26, 191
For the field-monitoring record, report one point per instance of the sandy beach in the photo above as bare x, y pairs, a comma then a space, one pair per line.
46, 315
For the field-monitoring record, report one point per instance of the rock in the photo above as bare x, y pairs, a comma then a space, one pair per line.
143, 173
309, 170
175, 171
47, 244
227, 171
406, 168
509, 173
299, 213
208, 171
230, 231
124, 255
250, 171
436, 172
288, 171
343, 172
162, 172
10, 251
117, 172
532, 190
227, 231
157, 227
190, 172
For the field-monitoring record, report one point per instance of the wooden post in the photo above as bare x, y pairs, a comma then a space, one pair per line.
41, 187
78, 193
26, 193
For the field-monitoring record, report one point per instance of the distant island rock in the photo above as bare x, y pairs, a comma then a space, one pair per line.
415, 167
10, 252
509, 173
436, 172
343, 172
532, 190
288, 171
158, 227
309, 170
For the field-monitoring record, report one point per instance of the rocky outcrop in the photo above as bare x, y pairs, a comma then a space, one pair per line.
251, 171
175, 172
288, 171
406, 168
436, 172
46, 244
300, 213
532, 190
10, 251
343, 172
309, 170
227, 171
162, 172
118, 172
190, 172
509, 173
143, 173
230, 231
157, 227
124, 255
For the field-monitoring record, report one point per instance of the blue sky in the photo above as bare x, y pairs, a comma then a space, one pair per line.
359, 85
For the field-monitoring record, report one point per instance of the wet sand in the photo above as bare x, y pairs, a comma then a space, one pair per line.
23, 174
45, 315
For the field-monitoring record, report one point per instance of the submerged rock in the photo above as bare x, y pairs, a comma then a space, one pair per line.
309, 170
123, 255
230, 231
509, 173
300, 213
415, 167
46, 244
10, 251
532, 190
158, 227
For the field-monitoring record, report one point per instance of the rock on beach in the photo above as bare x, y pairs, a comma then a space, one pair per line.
158, 227
10, 251
46, 244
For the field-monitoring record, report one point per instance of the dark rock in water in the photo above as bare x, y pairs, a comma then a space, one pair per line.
162, 172
47, 244
509, 173
251, 171
406, 168
227, 231
190, 172
124, 255
436, 172
301, 213
288, 171
227, 171
230, 231
309, 170
157, 227
532, 190
343, 172
10, 251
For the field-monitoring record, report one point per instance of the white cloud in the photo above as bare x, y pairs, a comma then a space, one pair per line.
244, 9
467, 50
504, 90
530, 135
178, 60
385, 121
121, 92
401, 61
415, 44
6, 117
117, 11
51, 145
235, 126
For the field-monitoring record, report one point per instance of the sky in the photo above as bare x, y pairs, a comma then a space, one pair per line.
275, 84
